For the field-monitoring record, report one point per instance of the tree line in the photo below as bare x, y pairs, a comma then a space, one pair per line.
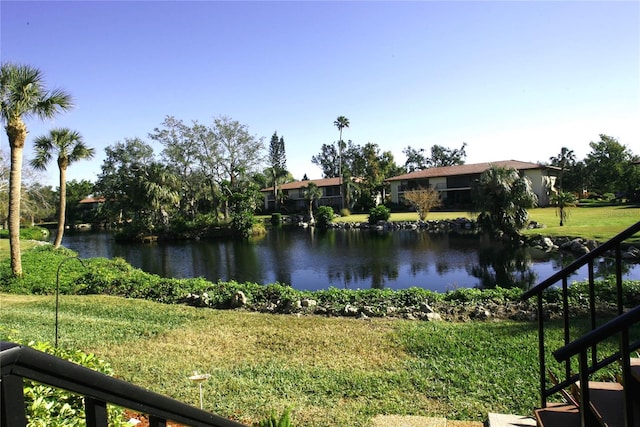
209, 175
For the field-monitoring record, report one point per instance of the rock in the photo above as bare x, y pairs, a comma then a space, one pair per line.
362, 316
547, 243
308, 303
425, 308
350, 310
238, 299
270, 307
631, 254
321, 310
368, 310
434, 317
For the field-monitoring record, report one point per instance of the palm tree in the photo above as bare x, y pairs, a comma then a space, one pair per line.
563, 200
341, 122
23, 95
502, 199
312, 193
70, 147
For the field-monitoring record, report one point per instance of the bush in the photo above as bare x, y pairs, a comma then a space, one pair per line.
53, 407
379, 213
276, 218
274, 421
324, 217
29, 233
345, 212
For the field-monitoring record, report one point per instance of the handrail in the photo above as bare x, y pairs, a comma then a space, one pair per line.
24, 362
589, 259
593, 337
583, 260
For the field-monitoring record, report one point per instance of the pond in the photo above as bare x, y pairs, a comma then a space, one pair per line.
308, 259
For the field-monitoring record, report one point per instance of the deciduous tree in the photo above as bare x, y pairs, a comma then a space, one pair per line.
443, 156
327, 160
564, 160
423, 200
609, 165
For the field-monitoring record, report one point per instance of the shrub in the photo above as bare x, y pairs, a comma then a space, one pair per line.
345, 212
379, 213
29, 233
274, 421
53, 407
276, 218
324, 217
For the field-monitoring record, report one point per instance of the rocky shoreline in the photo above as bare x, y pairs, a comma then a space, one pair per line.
576, 245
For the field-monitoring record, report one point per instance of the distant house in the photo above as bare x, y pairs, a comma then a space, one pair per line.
454, 183
91, 202
294, 194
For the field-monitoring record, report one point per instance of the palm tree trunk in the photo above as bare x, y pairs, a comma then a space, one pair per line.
15, 194
62, 207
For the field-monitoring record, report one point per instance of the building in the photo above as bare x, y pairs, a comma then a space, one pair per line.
293, 193
454, 183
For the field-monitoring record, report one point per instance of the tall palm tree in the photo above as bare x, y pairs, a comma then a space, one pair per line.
341, 122
23, 95
70, 147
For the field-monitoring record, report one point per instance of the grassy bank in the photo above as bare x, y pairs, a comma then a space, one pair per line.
598, 223
330, 371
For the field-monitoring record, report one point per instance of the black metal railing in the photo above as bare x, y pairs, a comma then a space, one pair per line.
20, 362
614, 245
619, 325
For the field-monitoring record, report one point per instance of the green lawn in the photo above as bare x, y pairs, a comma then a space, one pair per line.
329, 371
24, 245
599, 223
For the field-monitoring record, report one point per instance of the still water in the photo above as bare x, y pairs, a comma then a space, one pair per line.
311, 260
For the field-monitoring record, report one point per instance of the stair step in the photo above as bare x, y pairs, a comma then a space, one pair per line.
635, 368
563, 415
608, 400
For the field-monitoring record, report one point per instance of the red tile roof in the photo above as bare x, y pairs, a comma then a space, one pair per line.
92, 200
324, 182
469, 169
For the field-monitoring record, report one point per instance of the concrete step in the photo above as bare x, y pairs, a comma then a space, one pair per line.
635, 368
419, 421
509, 420
607, 401
563, 415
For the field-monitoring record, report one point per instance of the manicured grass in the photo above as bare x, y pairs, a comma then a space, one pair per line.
24, 245
329, 371
598, 223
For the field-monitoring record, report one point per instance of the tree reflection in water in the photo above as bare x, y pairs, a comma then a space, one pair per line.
308, 259
504, 264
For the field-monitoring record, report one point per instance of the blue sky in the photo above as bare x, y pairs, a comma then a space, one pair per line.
512, 79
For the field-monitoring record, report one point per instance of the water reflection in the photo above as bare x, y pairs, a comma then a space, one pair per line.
311, 260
